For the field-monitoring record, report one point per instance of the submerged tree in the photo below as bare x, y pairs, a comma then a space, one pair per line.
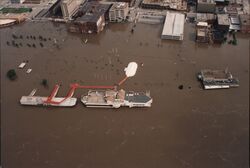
41, 44
234, 42
40, 37
11, 74
14, 36
44, 82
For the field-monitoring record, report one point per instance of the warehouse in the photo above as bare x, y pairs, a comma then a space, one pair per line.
173, 27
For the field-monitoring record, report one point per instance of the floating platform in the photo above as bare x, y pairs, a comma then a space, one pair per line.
217, 79
32, 100
38, 100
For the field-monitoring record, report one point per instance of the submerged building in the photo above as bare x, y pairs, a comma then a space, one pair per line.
245, 23
205, 17
202, 32
206, 6
118, 12
32, 2
11, 19
17, 1
217, 79
130, 2
234, 23
165, 4
173, 28
69, 8
7, 22
223, 22
91, 18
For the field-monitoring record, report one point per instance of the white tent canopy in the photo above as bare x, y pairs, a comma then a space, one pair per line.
131, 69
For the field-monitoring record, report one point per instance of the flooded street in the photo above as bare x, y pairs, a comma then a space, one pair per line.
188, 128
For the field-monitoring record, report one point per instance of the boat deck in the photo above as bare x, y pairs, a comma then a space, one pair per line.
96, 97
37, 100
215, 75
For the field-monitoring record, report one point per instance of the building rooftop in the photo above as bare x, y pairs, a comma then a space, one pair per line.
231, 10
215, 74
201, 32
137, 97
91, 12
203, 24
234, 20
201, 17
153, 1
119, 5
6, 21
223, 19
173, 4
234, 27
17, 17
245, 20
206, 1
174, 24
66, 1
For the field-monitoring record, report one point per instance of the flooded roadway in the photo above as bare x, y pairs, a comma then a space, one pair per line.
188, 128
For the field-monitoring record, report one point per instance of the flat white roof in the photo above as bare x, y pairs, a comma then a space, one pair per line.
235, 20
202, 24
119, 5
22, 65
223, 19
174, 24
6, 21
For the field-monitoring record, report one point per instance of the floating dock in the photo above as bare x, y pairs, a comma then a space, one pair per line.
38, 100
46, 101
217, 79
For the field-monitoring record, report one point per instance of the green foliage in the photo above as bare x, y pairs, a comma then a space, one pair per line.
11, 74
15, 10
45, 82
234, 42
234, 36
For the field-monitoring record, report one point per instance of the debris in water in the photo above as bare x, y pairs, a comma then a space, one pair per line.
22, 65
28, 71
180, 87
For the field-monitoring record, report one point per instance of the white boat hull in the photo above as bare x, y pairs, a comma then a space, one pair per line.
216, 87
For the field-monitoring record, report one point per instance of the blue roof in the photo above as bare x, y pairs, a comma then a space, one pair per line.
137, 97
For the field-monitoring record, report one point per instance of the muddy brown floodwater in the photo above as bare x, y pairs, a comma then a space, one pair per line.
184, 128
